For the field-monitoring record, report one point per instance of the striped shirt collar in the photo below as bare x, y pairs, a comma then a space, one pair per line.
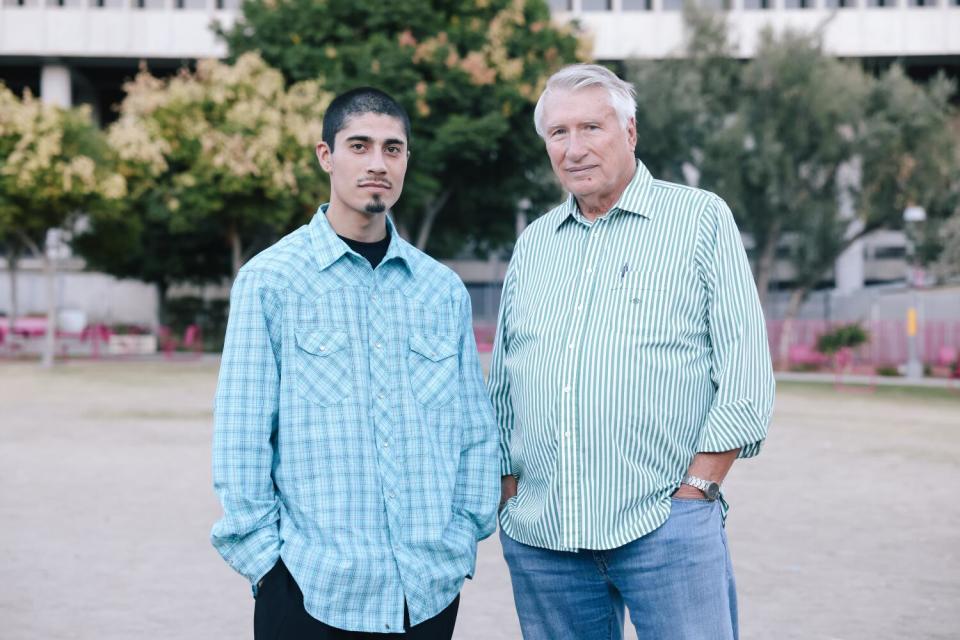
328, 247
632, 200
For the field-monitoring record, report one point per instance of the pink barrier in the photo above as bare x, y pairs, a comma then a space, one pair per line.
938, 340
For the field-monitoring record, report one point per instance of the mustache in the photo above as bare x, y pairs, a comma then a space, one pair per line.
374, 183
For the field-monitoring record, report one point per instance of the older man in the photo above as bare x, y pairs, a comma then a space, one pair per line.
630, 370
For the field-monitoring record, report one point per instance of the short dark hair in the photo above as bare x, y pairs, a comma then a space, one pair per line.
358, 102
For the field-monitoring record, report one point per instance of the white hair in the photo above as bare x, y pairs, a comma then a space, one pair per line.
623, 97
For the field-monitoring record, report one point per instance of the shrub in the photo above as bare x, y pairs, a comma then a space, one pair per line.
844, 336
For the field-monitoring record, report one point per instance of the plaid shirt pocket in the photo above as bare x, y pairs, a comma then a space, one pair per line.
324, 374
433, 366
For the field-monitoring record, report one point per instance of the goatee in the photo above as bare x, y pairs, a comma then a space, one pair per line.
375, 206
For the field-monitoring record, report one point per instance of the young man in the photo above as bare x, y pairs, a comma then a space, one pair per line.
354, 448
630, 370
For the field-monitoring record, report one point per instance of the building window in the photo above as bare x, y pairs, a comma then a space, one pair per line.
798, 4
643, 5
889, 253
757, 4
595, 5
715, 5
840, 4
881, 4
555, 5
922, 3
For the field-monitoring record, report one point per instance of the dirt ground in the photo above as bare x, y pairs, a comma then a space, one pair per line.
847, 525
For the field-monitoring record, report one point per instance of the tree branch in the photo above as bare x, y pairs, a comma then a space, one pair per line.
429, 215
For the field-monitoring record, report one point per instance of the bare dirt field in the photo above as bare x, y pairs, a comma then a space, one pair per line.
847, 525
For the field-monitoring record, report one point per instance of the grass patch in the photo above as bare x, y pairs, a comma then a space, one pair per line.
905, 393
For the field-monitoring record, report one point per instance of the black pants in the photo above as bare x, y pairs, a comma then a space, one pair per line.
279, 615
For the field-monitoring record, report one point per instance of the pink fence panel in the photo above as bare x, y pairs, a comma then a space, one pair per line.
887, 346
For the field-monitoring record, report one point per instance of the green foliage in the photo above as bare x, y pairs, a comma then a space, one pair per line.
908, 149
949, 236
683, 101
220, 162
809, 151
54, 165
467, 71
849, 336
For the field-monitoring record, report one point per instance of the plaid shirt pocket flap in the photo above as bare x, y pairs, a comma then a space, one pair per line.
321, 342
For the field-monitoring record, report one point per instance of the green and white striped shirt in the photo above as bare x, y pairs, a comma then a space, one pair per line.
624, 347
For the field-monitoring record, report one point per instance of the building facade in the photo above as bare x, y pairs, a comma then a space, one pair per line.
82, 51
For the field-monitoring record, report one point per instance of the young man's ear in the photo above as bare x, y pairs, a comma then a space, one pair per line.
323, 156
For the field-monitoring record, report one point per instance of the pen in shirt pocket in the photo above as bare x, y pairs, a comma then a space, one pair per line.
623, 271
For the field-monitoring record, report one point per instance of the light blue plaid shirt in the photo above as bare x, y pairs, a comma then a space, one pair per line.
353, 433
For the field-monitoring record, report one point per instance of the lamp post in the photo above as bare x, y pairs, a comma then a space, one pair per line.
913, 216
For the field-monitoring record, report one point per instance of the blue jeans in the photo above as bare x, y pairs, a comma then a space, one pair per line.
676, 581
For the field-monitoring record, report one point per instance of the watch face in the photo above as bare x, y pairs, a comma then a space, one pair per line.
713, 491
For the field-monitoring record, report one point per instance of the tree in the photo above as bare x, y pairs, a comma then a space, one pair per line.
219, 162
55, 166
811, 152
681, 102
468, 72
949, 260
780, 156
908, 151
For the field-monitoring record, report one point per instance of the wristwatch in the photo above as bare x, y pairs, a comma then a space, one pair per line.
710, 488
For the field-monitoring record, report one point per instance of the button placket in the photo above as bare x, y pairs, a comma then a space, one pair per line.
568, 404
378, 328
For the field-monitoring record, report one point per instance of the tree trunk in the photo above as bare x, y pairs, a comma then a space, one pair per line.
50, 340
162, 287
797, 296
236, 251
430, 213
13, 258
766, 260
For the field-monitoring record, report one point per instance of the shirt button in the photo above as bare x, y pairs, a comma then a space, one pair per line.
378, 345
570, 346
392, 495
566, 434
566, 389
379, 396
323, 348
589, 270
386, 445
579, 307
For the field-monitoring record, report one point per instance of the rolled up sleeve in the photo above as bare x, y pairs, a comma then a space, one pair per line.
741, 368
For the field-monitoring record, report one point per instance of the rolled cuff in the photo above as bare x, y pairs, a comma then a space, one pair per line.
253, 555
735, 425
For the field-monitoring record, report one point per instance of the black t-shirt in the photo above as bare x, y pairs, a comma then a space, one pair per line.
372, 251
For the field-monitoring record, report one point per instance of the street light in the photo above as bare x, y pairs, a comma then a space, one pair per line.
913, 215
